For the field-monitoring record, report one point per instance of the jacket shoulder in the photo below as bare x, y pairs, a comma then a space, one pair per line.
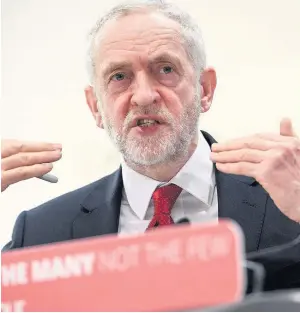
69, 202
52, 220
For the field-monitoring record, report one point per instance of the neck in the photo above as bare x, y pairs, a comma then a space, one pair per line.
166, 171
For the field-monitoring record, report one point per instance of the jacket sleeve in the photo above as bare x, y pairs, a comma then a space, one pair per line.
17, 235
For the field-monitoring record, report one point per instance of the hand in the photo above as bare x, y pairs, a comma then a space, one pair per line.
273, 160
24, 160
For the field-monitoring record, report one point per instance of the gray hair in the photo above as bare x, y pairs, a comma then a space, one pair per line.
191, 32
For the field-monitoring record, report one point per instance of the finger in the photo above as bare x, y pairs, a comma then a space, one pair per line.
30, 158
242, 155
240, 168
22, 173
262, 142
286, 128
244, 143
10, 147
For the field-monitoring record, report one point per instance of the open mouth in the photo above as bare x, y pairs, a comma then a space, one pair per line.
146, 122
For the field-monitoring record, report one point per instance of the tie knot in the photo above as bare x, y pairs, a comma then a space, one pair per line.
164, 198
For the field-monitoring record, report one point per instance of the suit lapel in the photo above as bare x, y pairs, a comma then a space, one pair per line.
100, 210
241, 199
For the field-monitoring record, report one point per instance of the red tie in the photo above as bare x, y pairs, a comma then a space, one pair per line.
164, 199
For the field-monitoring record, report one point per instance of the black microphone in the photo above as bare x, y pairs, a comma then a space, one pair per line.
183, 220
281, 263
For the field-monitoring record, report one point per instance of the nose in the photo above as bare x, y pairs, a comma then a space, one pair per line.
144, 91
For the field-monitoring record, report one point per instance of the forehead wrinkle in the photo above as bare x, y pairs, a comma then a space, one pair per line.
165, 43
136, 37
160, 39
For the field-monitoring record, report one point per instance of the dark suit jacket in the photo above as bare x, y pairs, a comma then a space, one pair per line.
94, 210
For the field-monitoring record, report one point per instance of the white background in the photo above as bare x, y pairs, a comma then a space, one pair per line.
254, 46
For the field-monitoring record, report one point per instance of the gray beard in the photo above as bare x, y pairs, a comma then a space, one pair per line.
155, 150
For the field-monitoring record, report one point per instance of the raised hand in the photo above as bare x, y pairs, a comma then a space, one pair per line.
22, 160
272, 159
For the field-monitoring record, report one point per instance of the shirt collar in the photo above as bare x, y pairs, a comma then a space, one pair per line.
196, 177
138, 189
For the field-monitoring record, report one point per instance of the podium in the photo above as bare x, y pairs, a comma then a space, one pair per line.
169, 269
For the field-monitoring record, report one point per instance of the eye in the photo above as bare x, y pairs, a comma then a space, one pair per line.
118, 76
166, 70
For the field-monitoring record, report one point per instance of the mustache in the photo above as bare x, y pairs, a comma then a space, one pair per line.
162, 113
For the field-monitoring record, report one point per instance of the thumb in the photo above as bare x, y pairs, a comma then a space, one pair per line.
286, 128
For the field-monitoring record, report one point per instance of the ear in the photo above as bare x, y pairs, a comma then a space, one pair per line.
91, 101
208, 83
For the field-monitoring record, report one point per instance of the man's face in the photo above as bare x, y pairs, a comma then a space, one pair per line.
149, 99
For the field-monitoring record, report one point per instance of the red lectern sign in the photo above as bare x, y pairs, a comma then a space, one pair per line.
173, 268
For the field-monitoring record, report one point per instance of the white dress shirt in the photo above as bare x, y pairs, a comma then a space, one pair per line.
197, 201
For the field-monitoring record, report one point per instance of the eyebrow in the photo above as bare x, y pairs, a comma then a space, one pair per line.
166, 56
113, 66
162, 57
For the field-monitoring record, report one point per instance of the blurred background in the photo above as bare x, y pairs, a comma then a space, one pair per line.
253, 45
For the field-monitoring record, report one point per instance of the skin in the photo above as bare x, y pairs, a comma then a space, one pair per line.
21, 160
157, 78
272, 159
150, 86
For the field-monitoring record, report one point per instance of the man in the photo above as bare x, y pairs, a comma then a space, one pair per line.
149, 83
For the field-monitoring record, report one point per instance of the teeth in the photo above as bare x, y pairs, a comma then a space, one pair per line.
144, 122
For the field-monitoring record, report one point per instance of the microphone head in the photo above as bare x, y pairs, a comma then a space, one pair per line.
183, 220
